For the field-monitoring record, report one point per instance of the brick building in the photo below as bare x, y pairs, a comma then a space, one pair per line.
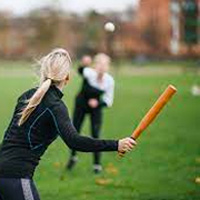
157, 29
154, 28
160, 28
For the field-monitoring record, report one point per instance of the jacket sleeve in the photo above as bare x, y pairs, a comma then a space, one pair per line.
80, 70
73, 140
109, 94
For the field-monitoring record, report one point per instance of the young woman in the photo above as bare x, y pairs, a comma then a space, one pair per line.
96, 93
39, 117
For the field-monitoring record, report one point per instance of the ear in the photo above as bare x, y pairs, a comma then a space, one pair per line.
67, 77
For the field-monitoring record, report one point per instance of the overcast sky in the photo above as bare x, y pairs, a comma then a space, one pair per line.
22, 6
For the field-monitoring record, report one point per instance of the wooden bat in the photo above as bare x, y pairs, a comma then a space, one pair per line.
153, 112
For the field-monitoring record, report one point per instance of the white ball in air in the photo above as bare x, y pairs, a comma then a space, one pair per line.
109, 26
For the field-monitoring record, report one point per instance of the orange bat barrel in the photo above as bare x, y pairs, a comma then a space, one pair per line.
154, 111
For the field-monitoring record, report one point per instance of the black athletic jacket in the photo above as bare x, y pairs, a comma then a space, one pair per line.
23, 146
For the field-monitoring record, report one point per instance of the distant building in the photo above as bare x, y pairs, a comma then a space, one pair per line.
42, 30
157, 29
11, 36
160, 28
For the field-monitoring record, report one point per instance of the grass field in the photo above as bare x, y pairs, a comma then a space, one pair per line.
163, 166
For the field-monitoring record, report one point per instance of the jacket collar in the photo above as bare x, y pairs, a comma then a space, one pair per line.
57, 91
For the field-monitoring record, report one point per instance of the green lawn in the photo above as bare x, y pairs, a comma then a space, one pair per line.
163, 166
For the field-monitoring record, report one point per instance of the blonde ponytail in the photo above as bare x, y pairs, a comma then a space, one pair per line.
54, 69
34, 101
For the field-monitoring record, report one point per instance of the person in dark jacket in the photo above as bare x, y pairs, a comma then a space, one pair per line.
97, 92
40, 116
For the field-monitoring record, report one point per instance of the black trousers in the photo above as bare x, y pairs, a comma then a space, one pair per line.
18, 189
96, 122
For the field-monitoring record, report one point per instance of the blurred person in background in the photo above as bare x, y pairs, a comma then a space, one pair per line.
40, 116
97, 92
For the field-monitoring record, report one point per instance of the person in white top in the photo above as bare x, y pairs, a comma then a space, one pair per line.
97, 92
